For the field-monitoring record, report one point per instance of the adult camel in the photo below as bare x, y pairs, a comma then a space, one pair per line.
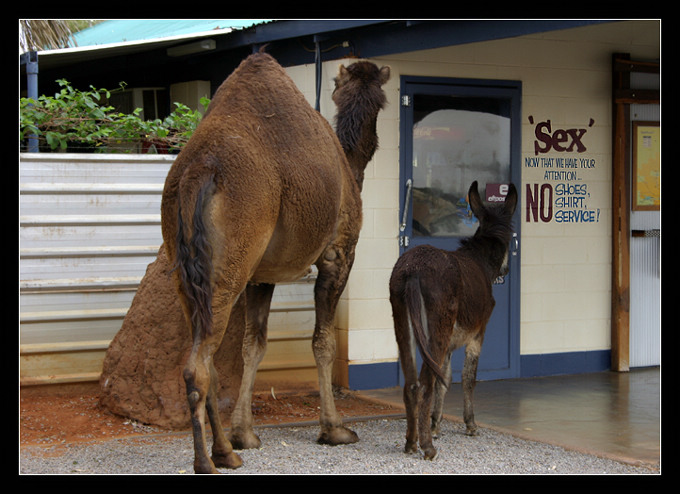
263, 190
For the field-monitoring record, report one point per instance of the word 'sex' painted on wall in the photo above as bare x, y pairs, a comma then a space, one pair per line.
563, 196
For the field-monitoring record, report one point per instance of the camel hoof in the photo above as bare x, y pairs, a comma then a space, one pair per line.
244, 440
205, 467
471, 430
337, 435
229, 460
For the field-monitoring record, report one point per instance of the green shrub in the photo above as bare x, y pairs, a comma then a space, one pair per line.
74, 118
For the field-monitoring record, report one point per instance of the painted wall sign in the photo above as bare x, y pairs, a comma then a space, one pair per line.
563, 196
561, 140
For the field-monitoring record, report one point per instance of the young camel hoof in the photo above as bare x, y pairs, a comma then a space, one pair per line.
430, 453
410, 448
471, 430
338, 435
245, 440
229, 460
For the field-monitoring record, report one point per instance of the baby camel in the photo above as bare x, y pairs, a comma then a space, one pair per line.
442, 300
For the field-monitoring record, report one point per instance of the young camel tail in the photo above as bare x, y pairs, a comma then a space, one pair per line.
263, 190
442, 300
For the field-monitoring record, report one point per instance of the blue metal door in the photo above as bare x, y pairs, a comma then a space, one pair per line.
453, 132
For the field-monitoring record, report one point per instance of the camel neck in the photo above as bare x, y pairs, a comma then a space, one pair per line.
358, 139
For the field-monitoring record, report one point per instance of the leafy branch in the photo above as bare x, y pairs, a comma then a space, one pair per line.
73, 116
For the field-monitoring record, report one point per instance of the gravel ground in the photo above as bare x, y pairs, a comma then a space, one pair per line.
293, 450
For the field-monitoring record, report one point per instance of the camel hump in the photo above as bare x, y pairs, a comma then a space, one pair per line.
259, 82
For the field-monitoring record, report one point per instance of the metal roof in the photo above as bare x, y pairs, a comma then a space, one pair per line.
134, 30
367, 37
128, 37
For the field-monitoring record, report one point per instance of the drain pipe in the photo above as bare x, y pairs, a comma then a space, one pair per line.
32, 91
317, 61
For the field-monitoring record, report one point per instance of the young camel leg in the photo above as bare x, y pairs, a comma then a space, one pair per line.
334, 268
427, 383
439, 394
431, 403
258, 301
201, 385
407, 357
469, 379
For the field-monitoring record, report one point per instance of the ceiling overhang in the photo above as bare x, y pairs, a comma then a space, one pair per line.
369, 38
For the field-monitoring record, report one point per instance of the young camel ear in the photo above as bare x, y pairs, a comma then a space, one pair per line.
511, 200
384, 74
476, 204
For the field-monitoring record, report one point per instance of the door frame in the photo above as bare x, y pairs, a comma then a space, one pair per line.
473, 87
622, 97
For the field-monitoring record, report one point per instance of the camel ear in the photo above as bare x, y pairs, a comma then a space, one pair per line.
342, 77
384, 74
476, 204
511, 200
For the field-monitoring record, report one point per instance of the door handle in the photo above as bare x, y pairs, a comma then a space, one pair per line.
407, 200
403, 239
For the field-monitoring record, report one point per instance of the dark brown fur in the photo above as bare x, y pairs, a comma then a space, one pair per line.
262, 191
455, 291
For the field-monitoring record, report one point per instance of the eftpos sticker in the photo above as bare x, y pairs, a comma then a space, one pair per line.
496, 192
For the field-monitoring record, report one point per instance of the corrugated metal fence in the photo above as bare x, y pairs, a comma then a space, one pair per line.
89, 227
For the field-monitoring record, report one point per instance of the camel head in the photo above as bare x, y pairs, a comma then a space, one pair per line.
361, 78
359, 97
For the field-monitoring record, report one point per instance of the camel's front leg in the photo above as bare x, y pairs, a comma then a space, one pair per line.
258, 301
334, 269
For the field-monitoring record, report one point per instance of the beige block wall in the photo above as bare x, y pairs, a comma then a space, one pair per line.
565, 277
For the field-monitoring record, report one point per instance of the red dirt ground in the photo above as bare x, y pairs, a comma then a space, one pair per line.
66, 414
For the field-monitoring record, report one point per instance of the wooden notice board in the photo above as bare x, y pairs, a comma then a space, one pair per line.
646, 166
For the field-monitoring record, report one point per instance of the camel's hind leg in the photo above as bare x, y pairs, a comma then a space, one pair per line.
232, 258
258, 301
201, 385
222, 451
334, 269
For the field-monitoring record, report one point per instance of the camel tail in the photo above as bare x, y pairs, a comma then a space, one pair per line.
414, 305
194, 261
